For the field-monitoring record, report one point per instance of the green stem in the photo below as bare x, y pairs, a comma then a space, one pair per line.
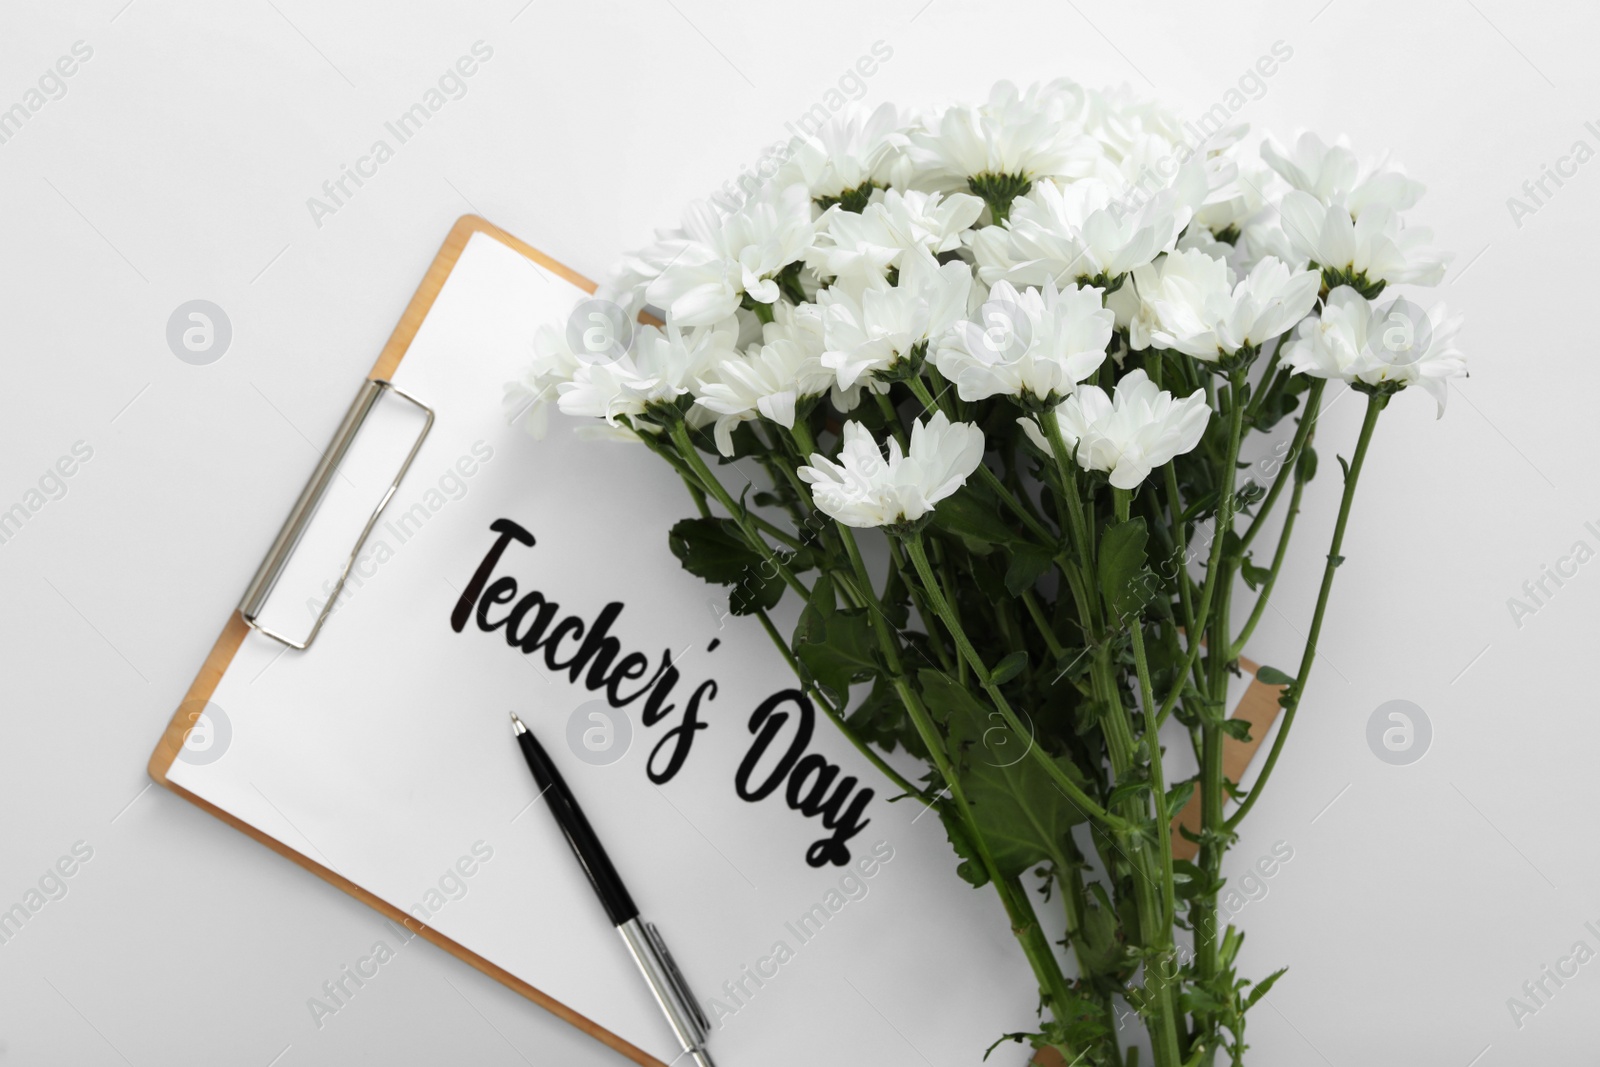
1079, 576
1180, 537
1308, 420
1214, 568
928, 618
834, 714
1074, 905
1073, 791
697, 496
1024, 923
1268, 385
1181, 548
1158, 786
1035, 527
1153, 889
957, 408
741, 517
1203, 911
692, 480
1375, 405
890, 415
1265, 595
1042, 624
919, 389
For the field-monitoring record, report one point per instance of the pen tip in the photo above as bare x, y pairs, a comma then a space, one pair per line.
516, 725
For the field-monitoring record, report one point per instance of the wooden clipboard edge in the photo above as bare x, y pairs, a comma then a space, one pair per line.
1259, 707
233, 635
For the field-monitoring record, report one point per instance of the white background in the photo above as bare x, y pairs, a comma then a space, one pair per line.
178, 165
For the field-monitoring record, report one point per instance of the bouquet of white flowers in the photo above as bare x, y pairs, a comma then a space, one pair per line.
1024, 342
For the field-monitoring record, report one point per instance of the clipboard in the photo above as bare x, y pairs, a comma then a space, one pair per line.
233, 634
1259, 705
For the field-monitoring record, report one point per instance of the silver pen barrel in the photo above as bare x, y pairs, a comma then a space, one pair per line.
683, 1011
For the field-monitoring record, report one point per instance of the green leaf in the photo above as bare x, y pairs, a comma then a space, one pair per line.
1188, 880
1247, 496
953, 707
713, 549
1201, 507
759, 589
1018, 808
1252, 574
1343, 466
1009, 668
1207, 712
1306, 466
1273, 676
1178, 796
1102, 949
822, 598
1073, 663
970, 869
1138, 782
880, 718
1125, 582
1029, 562
839, 652
896, 600
1089, 715
987, 571
1263, 986
798, 561
1238, 729
975, 517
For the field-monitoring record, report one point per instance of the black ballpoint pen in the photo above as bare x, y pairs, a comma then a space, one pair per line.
644, 942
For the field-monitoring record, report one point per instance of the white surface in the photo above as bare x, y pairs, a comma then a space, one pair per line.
384, 751
177, 166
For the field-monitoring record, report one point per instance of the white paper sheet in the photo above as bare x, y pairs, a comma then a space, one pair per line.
385, 752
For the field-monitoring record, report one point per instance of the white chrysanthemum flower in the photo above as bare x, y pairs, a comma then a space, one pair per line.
661, 366
857, 248
1376, 248
1331, 172
803, 325
1078, 232
870, 330
625, 283
699, 273
1397, 344
853, 149
1033, 343
1129, 126
1130, 434
1239, 222
768, 383
526, 401
1138, 163
1242, 202
1026, 136
864, 489
1201, 239
1193, 305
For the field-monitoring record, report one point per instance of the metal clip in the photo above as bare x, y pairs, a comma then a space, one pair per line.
294, 527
